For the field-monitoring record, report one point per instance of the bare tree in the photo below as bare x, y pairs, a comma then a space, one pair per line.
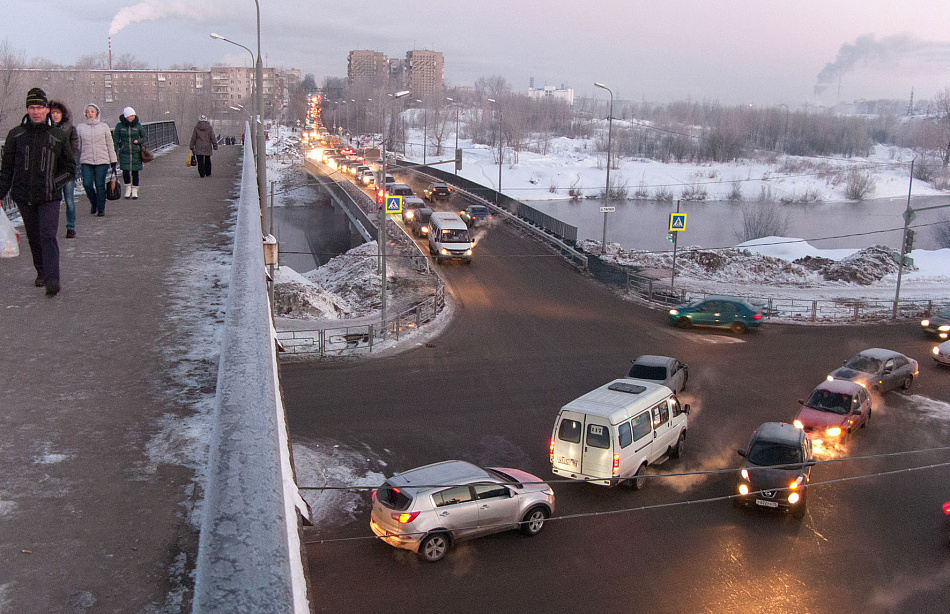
93, 61
11, 61
942, 102
762, 220
127, 61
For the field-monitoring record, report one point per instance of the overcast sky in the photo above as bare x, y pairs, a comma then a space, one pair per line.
733, 51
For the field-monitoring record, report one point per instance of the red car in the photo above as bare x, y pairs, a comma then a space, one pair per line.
834, 411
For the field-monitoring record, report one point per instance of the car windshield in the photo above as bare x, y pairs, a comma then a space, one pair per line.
864, 363
647, 372
834, 402
768, 453
504, 477
451, 235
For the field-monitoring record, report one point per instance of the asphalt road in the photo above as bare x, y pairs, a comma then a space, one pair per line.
531, 334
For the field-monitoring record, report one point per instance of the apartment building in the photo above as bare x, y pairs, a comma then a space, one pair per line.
426, 71
366, 70
421, 71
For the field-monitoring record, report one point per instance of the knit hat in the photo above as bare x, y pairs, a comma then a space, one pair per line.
128, 112
92, 106
202, 118
36, 96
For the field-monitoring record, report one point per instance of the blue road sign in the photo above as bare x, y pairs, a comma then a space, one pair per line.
394, 204
677, 222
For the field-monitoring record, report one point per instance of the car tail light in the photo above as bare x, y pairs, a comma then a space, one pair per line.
946, 508
757, 316
551, 447
616, 467
405, 517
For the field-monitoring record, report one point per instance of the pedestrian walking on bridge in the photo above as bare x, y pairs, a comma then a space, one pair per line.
37, 163
96, 153
128, 137
59, 114
203, 143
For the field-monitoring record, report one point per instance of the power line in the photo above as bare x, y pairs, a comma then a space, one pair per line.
661, 475
657, 506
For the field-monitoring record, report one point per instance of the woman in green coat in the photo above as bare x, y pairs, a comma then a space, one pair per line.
129, 136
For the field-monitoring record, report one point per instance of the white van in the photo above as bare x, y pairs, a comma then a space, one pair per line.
611, 434
449, 238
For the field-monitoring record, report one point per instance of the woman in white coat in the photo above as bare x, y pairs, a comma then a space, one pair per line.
96, 154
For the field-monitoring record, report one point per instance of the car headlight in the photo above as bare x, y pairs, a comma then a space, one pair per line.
936, 351
798, 424
743, 489
833, 431
830, 378
444, 252
674, 312
410, 214
793, 498
468, 252
943, 328
745, 474
424, 230
798, 481
548, 491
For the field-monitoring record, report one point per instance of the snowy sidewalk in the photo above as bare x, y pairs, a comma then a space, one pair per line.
106, 389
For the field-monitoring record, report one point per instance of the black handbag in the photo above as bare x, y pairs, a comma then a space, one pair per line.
113, 189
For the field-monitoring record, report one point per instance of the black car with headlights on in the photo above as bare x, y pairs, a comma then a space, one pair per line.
938, 325
777, 469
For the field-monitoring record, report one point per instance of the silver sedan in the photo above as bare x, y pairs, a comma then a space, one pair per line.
661, 370
878, 370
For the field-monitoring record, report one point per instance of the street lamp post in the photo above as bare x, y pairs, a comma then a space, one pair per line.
381, 234
253, 102
610, 125
261, 137
454, 153
501, 151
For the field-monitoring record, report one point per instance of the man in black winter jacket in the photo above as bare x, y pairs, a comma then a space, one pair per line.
37, 163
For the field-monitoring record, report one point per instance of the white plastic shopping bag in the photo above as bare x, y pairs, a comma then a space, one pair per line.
9, 238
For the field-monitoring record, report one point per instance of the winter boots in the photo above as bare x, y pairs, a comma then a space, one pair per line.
135, 191
128, 190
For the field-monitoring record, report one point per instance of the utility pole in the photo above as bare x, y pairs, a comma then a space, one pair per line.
908, 218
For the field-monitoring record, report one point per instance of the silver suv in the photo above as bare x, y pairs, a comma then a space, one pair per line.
428, 509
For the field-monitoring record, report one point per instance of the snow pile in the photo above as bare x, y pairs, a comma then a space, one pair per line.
866, 267
298, 297
740, 265
354, 277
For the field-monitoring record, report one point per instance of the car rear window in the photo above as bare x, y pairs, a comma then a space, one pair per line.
598, 436
569, 431
392, 497
647, 372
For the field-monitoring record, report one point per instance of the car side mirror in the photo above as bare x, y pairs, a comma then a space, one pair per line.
511, 491
887, 370
686, 409
801, 401
740, 452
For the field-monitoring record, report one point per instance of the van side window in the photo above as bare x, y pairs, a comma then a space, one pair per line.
451, 496
626, 435
675, 406
641, 426
569, 431
598, 436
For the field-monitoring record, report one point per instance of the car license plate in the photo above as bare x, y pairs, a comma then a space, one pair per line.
765, 503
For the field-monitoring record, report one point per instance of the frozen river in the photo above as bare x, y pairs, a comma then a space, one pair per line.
638, 224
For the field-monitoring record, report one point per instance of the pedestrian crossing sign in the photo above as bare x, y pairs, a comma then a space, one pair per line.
394, 204
677, 222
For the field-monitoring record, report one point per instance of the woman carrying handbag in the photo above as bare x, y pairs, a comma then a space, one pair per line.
129, 136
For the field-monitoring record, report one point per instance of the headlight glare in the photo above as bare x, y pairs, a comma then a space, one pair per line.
743, 489
798, 424
745, 474
833, 431
793, 498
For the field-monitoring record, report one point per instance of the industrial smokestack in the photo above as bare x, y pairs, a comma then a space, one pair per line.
110, 53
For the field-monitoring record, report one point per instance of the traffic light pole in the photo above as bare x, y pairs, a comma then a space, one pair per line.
905, 248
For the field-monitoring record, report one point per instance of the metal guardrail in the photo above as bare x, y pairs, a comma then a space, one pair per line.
250, 556
161, 134
478, 192
347, 340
